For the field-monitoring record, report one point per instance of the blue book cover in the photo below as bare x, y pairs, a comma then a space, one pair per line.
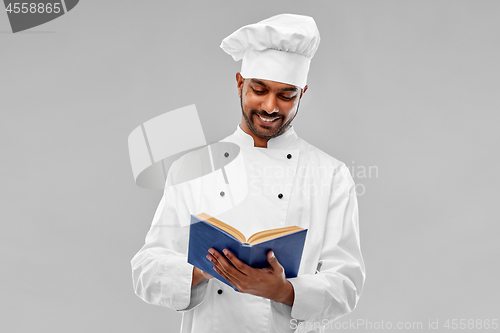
207, 232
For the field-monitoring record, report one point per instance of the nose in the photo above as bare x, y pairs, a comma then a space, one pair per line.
269, 105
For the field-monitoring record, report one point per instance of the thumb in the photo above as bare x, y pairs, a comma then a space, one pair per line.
271, 258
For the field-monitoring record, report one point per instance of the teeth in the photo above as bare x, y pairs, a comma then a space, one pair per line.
268, 120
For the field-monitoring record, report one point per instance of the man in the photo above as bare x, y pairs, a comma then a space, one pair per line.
289, 182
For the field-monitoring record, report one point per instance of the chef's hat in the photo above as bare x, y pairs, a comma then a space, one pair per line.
279, 48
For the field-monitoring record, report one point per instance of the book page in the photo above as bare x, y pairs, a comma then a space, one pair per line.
223, 226
265, 235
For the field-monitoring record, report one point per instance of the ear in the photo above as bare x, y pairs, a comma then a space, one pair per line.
303, 91
239, 81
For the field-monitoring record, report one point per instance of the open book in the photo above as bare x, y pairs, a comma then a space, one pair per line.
207, 231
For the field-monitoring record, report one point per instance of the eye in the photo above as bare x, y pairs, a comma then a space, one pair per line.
286, 98
259, 92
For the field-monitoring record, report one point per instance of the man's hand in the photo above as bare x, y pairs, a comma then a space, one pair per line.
198, 276
269, 282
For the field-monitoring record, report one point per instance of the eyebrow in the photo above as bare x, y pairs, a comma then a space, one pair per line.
294, 89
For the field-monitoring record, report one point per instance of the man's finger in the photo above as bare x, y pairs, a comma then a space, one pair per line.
237, 263
206, 275
230, 279
223, 265
273, 261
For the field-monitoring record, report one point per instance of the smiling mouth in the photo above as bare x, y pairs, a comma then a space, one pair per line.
267, 120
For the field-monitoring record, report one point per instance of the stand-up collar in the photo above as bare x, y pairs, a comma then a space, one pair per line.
279, 142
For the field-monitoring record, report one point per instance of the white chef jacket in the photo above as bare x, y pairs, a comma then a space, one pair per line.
288, 183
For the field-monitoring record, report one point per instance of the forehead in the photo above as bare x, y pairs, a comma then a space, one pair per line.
273, 85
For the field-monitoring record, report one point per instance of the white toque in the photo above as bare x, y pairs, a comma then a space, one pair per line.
279, 48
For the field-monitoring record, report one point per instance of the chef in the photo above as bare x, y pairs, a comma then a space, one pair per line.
285, 181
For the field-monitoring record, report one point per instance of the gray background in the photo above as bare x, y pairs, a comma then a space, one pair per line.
410, 88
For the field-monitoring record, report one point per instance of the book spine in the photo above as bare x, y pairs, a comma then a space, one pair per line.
245, 253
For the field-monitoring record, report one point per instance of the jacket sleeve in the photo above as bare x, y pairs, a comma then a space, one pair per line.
160, 272
334, 290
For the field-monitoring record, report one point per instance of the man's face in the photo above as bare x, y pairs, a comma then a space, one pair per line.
268, 107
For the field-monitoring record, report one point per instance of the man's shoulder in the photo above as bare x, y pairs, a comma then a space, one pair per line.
315, 154
327, 164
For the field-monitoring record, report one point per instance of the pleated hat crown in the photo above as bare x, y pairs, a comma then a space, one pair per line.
279, 48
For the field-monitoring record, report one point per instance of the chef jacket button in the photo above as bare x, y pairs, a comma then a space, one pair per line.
219, 291
222, 193
289, 156
226, 154
280, 195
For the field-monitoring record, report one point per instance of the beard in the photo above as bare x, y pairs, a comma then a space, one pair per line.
265, 134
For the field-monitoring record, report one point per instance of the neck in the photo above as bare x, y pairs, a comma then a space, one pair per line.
257, 141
